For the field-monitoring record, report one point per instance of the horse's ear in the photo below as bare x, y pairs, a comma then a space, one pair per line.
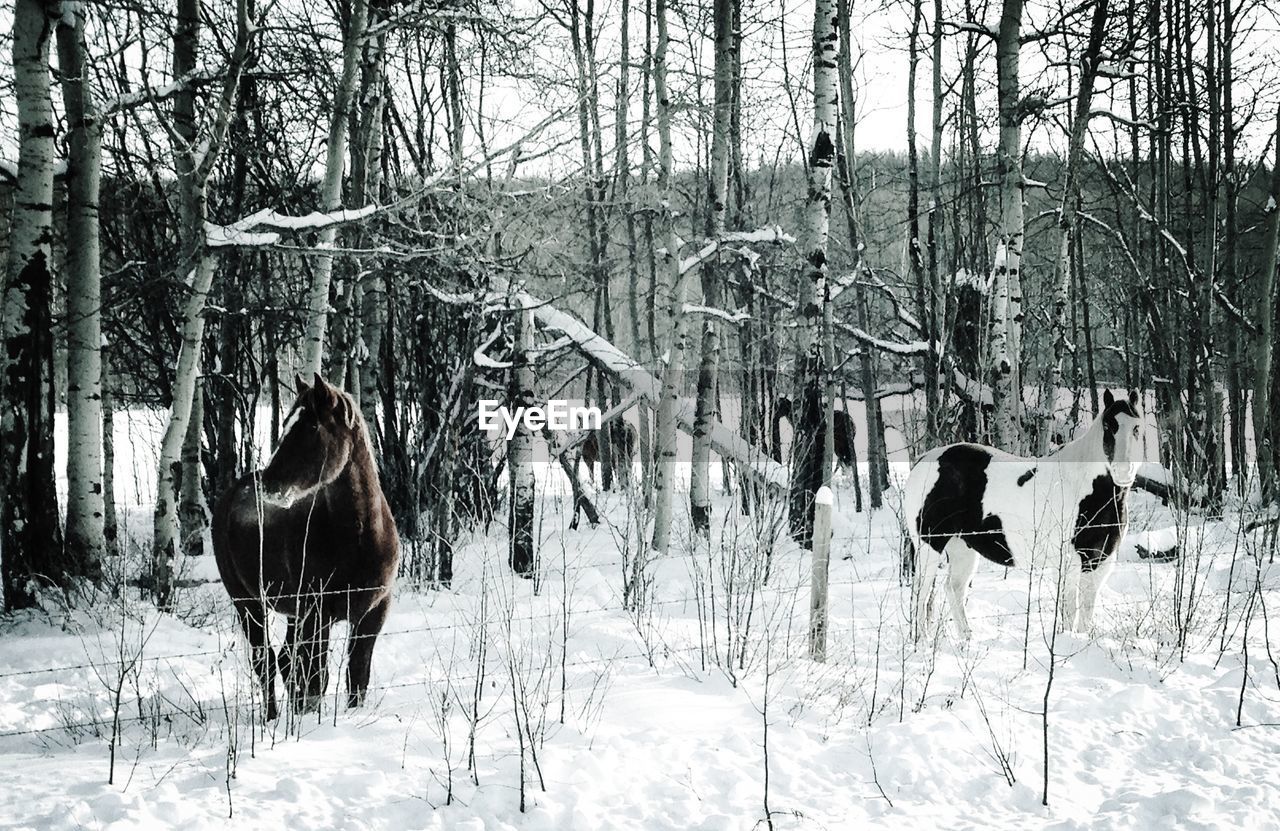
1107, 398
329, 395
1133, 399
299, 384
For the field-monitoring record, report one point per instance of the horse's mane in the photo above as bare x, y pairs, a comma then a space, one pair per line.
358, 424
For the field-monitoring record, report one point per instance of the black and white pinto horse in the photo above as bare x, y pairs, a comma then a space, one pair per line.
1065, 512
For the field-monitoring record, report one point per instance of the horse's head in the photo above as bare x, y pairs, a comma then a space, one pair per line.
315, 444
1122, 437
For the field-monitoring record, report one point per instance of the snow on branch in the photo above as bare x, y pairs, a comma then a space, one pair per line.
1116, 71
733, 317
555, 346
899, 311
973, 26
482, 359
140, 96
703, 254
642, 383
246, 232
1102, 112
773, 234
913, 348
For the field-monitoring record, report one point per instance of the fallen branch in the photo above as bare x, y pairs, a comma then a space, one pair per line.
642, 383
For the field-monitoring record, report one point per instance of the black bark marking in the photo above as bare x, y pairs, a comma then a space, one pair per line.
823, 152
1026, 477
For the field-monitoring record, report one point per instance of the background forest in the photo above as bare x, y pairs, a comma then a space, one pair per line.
996, 208
786, 247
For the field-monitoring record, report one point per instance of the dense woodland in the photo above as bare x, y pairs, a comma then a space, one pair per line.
430, 203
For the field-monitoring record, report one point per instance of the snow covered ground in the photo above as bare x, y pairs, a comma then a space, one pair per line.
698, 710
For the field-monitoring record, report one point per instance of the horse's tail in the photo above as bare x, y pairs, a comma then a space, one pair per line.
907, 559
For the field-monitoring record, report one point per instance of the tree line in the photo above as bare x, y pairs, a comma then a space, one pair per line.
204, 199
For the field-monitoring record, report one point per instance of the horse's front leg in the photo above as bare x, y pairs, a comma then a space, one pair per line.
309, 673
253, 620
364, 633
1091, 583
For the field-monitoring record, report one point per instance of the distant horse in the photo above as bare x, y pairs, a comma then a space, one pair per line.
1066, 512
311, 537
623, 439
846, 432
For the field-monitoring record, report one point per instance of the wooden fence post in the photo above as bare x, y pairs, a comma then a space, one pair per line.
818, 586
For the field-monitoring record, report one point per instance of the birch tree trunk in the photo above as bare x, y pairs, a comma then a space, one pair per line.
365, 169
31, 544
110, 523
933, 330
811, 465
1264, 444
331, 193
717, 197
673, 289
581, 35
522, 544
1006, 313
925, 293
1089, 63
194, 161
86, 542
847, 167
193, 509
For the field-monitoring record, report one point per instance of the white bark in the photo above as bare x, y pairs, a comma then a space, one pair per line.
718, 182
169, 475
522, 541
85, 489
373, 296
1066, 215
1006, 316
812, 465
331, 193
30, 538
1263, 371
672, 282
194, 171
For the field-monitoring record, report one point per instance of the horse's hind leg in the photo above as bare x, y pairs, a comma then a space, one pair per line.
253, 619
962, 562
922, 588
364, 633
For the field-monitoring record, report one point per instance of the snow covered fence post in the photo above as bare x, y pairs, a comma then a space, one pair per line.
818, 583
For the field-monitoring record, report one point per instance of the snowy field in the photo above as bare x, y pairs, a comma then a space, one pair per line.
688, 702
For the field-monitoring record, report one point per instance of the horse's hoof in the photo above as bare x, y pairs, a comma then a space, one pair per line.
355, 700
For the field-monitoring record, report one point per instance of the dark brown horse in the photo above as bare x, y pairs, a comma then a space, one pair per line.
846, 432
310, 536
623, 439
